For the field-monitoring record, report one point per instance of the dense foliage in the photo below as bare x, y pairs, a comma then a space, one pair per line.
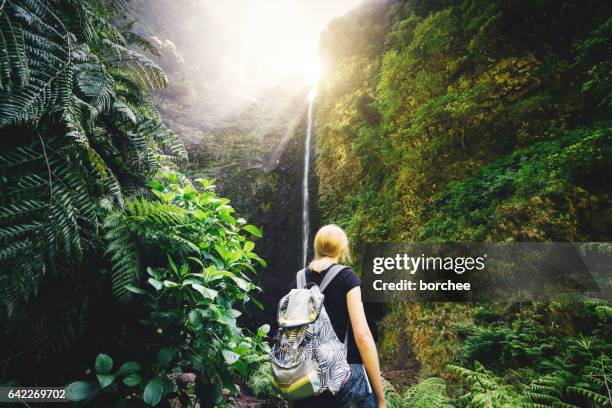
78, 138
98, 234
475, 121
516, 360
191, 308
437, 120
444, 120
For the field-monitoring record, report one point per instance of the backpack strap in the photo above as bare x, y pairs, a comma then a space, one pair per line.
348, 326
300, 279
330, 275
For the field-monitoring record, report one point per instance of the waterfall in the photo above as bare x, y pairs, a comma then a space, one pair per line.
305, 197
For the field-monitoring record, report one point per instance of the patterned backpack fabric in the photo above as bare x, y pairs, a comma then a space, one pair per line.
307, 358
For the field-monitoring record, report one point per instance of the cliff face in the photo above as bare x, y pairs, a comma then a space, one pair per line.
464, 121
271, 194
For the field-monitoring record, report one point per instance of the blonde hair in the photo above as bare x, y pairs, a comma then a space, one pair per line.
330, 242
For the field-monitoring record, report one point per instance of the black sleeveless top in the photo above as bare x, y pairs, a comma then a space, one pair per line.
335, 305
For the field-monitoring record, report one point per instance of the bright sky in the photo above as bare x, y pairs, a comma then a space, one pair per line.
271, 39
221, 54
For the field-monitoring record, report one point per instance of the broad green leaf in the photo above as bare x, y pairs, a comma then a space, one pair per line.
225, 254
103, 364
81, 391
170, 284
172, 265
135, 289
196, 278
227, 218
132, 380
241, 367
252, 230
248, 266
195, 318
164, 356
200, 215
263, 330
235, 255
156, 185
128, 368
153, 392
168, 197
206, 184
184, 270
172, 176
204, 291
258, 303
218, 262
196, 260
227, 318
248, 246
158, 194
158, 285
230, 357
168, 384
242, 284
242, 350
105, 379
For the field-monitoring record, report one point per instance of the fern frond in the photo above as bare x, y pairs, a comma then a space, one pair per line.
593, 396
167, 140
37, 62
155, 212
430, 392
43, 216
123, 252
96, 87
142, 70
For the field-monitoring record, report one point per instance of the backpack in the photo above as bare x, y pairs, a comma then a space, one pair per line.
306, 357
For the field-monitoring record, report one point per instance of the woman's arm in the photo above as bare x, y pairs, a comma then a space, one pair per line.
365, 343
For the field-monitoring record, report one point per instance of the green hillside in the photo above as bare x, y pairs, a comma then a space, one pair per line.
471, 121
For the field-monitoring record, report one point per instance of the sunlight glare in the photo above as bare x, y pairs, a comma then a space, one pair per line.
312, 71
275, 40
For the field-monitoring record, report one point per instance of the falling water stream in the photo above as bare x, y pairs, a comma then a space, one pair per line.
305, 199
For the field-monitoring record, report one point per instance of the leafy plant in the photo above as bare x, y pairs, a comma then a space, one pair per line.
79, 136
431, 392
127, 374
191, 307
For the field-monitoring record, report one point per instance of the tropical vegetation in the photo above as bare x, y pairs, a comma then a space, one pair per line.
485, 122
128, 281
106, 248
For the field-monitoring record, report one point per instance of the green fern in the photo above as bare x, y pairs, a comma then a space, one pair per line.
80, 136
595, 382
549, 390
123, 252
45, 210
429, 393
392, 397
36, 61
485, 389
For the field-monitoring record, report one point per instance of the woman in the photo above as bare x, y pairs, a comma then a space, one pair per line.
343, 305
